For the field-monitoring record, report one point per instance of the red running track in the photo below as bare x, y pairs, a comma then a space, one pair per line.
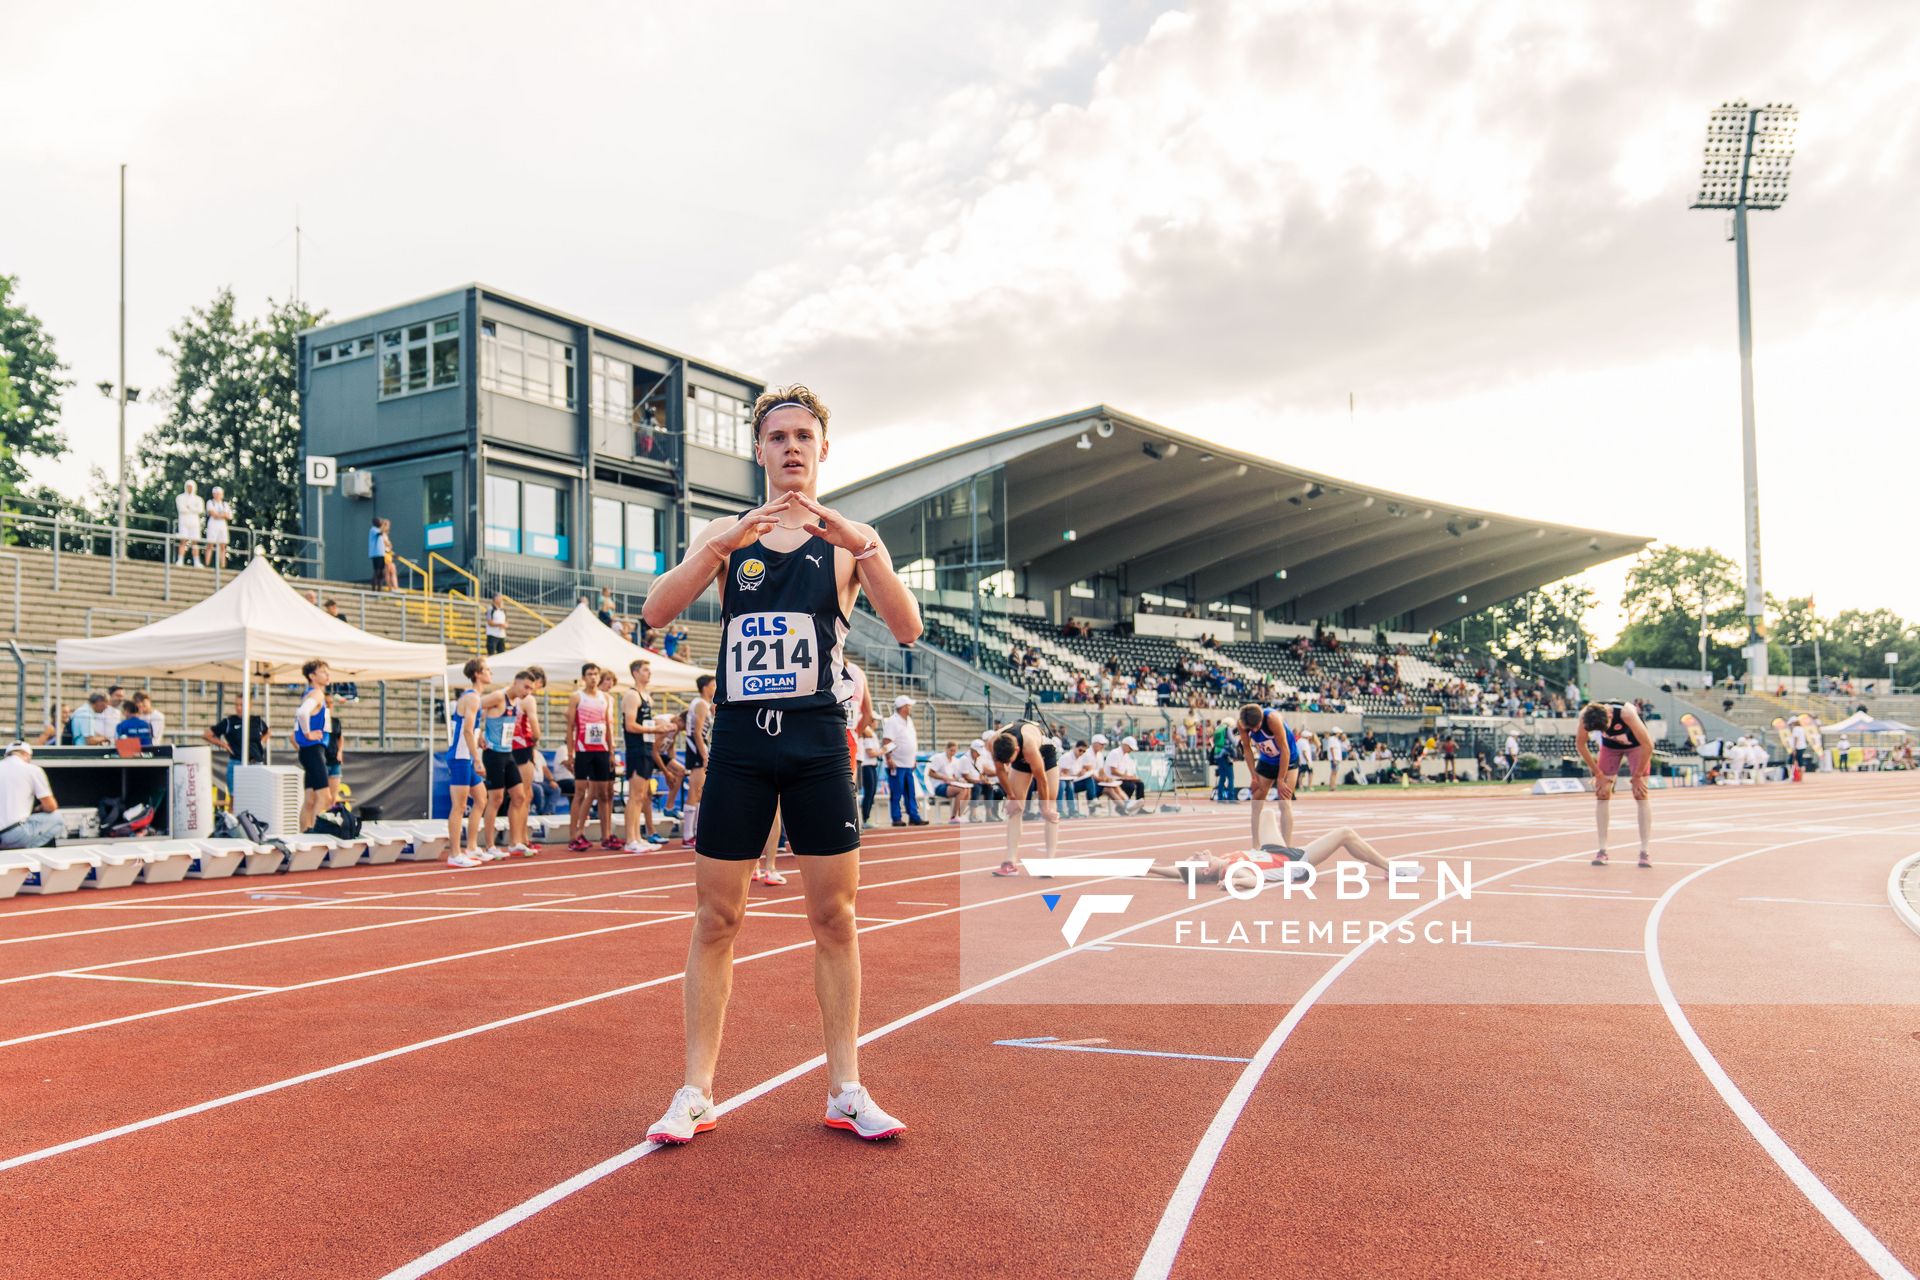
336, 1099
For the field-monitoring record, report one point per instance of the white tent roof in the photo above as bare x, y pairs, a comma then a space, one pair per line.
256, 620
577, 639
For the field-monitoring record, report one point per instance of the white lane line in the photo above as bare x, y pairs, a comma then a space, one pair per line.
906, 903
1591, 888
1548, 946
1171, 1232
1584, 897
321, 1073
1863, 1242
1897, 892
1818, 902
1229, 951
469, 1240
164, 982
469, 955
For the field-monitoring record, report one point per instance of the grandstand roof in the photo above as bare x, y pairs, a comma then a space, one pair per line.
1162, 506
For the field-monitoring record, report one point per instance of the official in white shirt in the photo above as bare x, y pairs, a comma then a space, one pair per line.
946, 781
27, 808
900, 743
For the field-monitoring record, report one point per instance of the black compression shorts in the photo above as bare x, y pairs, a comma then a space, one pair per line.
1049, 756
593, 766
313, 763
502, 773
523, 756
799, 761
639, 756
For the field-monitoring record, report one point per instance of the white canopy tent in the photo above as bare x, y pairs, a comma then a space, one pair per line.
256, 627
574, 641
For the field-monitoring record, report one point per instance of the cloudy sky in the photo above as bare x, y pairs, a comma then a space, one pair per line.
956, 217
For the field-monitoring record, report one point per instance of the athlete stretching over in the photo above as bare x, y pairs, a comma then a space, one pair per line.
1622, 737
1026, 757
788, 573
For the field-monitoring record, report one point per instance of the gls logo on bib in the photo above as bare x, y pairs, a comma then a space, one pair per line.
753, 571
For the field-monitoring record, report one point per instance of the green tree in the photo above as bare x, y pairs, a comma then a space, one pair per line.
233, 419
30, 407
1669, 592
1542, 631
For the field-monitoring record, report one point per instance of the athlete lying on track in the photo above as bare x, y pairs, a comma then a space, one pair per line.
1276, 860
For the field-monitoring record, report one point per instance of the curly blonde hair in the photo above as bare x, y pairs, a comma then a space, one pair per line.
793, 393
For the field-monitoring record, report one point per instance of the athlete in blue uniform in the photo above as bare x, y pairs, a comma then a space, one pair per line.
1270, 750
788, 573
311, 724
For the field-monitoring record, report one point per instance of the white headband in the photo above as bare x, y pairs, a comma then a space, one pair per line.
787, 404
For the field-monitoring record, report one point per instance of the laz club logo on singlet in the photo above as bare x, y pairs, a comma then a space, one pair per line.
752, 572
768, 654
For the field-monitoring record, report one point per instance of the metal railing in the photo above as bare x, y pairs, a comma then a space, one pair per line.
30, 522
19, 578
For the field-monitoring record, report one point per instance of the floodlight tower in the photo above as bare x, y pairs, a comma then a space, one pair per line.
1749, 152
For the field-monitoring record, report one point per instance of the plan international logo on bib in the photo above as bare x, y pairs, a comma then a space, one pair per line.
753, 571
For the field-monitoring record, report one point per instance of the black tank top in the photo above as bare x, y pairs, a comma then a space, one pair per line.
783, 637
1617, 735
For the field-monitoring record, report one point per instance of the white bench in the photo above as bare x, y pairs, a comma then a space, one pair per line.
167, 860
429, 839
251, 859
333, 851
119, 866
59, 869
15, 867
383, 846
218, 859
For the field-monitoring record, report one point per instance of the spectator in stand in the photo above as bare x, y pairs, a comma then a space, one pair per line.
387, 560
497, 625
111, 713
605, 611
944, 778
673, 638
85, 730
190, 507
219, 518
132, 727
29, 817
376, 557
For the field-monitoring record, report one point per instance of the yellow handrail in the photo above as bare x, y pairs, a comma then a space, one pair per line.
544, 621
422, 574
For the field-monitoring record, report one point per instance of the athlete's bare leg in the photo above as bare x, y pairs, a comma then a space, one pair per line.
488, 813
830, 885
720, 892
1344, 838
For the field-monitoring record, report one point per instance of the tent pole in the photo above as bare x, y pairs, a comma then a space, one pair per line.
266, 711
246, 710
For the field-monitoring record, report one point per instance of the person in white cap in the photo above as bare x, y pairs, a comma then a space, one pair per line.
27, 817
900, 747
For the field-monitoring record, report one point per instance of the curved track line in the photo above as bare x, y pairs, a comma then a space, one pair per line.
553, 1195
501, 1222
1164, 1247
1863, 1242
1896, 893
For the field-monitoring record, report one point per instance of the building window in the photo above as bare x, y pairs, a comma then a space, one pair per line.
606, 533
503, 514
526, 518
527, 365
1082, 590
339, 352
918, 574
439, 512
323, 355
419, 357
643, 539
612, 389
720, 421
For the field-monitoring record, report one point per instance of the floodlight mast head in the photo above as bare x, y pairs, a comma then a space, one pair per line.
1749, 156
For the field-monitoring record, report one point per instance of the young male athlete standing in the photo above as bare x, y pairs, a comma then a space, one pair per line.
590, 759
789, 572
465, 781
636, 717
1272, 755
1622, 738
526, 741
699, 730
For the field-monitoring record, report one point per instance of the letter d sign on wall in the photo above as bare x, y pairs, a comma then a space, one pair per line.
322, 472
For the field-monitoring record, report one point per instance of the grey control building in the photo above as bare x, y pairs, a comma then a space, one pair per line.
540, 450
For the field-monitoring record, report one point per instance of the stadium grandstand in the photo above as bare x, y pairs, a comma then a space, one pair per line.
1099, 558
